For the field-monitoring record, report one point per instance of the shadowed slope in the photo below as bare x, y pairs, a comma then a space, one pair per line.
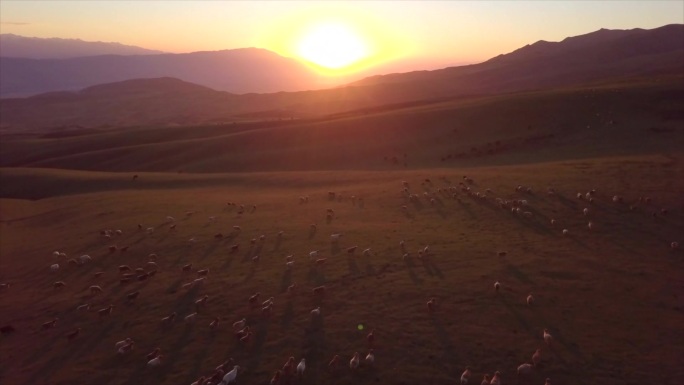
616, 119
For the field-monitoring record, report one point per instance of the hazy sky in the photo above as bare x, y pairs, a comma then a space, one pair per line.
427, 34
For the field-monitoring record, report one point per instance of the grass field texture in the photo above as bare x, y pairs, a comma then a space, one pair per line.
610, 296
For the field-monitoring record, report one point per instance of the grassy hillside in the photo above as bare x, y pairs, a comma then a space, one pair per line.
609, 296
615, 119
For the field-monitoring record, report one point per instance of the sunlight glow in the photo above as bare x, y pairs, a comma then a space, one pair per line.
335, 40
332, 45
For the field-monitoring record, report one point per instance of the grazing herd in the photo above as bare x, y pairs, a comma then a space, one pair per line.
227, 373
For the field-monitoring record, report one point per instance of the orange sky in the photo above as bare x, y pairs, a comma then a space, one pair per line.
398, 35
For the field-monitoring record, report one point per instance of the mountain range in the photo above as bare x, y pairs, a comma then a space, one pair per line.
604, 55
55, 48
600, 54
239, 70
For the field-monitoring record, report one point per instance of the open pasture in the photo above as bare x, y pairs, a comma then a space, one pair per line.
611, 296
636, 117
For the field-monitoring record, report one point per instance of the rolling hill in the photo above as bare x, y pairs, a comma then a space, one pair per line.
599, 57
614, 119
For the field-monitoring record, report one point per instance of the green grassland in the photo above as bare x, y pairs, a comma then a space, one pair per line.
611, 296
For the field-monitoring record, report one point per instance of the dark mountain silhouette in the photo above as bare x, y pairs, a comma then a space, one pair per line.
597, 57
590, 57
54, 48
239, 70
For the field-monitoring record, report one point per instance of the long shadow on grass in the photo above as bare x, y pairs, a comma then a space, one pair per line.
229, 261
233, 234
117, 361
259, 248
182, 308
102, 244
444, 340
433, 267
286, 281
86, 343
47, 347
164, 237
288, 314
257, 344
186, 303
417, 205
209, 250
249, 254
200, 358
412, 274
67, 317
442, 213
537, 214
567, 202
532, 224
182, 255
173, 288
158, 375
518, 316
133, 286
426, 266
599, 207
578, 241
316, 276
625, 248
278, 242
99, 244
353, 266
314, 348
97, 264
250, 272
558, 339
518, 274
467, 209
572, 347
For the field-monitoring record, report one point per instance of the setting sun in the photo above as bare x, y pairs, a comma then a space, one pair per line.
332, 45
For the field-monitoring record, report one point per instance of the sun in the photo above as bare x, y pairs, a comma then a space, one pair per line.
332, 45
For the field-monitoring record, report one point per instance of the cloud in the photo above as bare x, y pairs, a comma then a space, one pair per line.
13, 23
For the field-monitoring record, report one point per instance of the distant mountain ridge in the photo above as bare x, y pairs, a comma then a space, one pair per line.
597, 57
241, 70
604, 44
575, 59
55, 48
